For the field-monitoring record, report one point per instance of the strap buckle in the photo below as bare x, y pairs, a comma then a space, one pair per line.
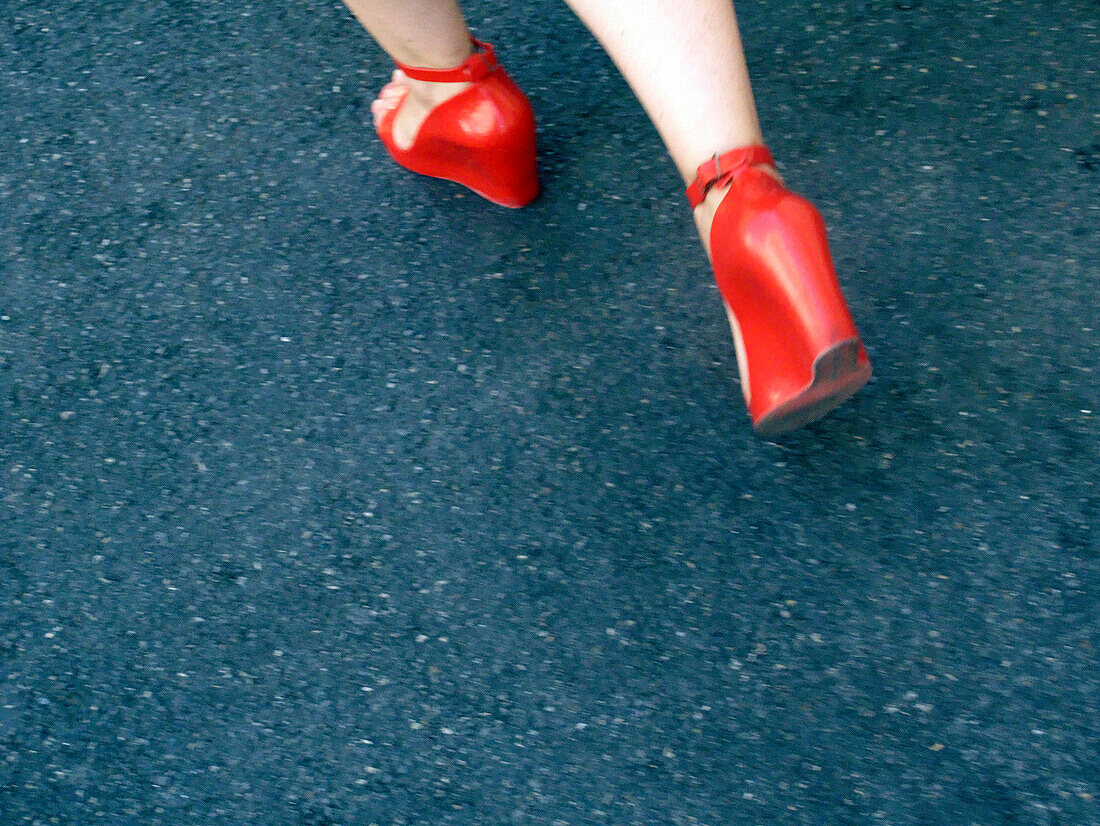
711, 173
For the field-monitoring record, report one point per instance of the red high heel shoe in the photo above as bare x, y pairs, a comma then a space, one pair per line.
798, 350
482, 138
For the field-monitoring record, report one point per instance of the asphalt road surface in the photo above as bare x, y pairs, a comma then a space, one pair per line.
334, 495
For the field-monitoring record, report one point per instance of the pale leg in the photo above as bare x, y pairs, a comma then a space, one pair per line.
685, 62
430, 34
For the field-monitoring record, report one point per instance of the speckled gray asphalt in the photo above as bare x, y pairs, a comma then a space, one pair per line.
334, 495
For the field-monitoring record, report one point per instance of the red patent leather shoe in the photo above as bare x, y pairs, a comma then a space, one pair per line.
482, 138
797, 347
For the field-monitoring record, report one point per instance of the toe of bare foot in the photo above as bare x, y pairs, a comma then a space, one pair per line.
389, 97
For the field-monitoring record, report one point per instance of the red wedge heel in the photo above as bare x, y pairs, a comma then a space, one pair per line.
482, 138
798, 350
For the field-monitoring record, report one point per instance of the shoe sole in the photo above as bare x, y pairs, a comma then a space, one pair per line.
838, 375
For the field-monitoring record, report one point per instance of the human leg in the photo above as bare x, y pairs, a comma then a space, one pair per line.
685, 62
798, 350
428, 33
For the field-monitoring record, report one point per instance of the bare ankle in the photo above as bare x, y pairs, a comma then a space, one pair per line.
704, 213
432, 94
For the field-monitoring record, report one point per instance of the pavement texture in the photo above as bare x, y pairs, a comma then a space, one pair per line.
334, 495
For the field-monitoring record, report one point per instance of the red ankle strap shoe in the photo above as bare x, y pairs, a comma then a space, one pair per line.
482, 138
798, 350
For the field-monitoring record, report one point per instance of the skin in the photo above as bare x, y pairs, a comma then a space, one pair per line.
683, 59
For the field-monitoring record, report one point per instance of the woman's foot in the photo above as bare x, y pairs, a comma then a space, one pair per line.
798, 350
469, 124
416, 99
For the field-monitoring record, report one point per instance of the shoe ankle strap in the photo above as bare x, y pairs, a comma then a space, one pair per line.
478, 65
722, 169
